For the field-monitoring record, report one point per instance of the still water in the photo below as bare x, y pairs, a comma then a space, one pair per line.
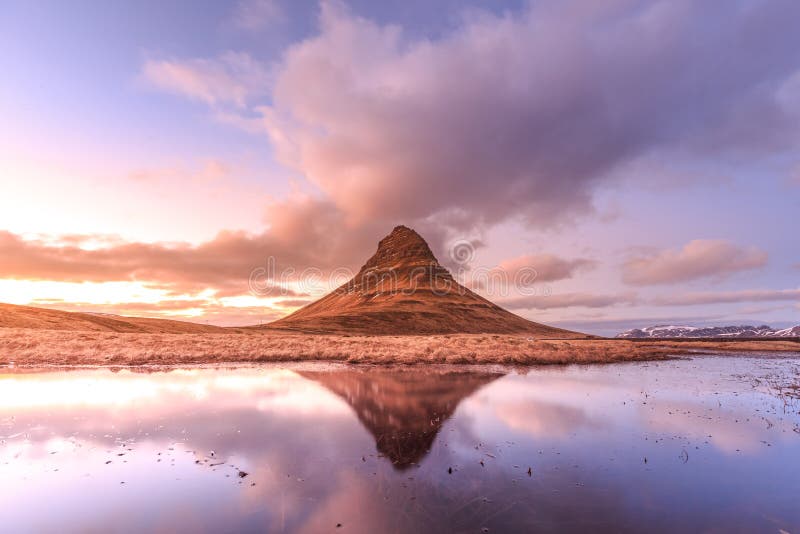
710, 444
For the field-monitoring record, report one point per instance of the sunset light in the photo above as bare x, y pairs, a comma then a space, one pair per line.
357, 266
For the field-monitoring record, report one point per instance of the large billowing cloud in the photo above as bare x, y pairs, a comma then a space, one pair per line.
515, 116
701, 258
522, 115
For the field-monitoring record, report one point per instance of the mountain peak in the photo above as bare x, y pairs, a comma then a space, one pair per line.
403, 247
401, 228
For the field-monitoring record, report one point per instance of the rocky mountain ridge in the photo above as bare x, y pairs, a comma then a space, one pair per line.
741, 331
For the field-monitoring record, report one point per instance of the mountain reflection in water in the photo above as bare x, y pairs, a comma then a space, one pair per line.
404, 410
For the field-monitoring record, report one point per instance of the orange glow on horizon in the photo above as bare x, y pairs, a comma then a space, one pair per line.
131, 298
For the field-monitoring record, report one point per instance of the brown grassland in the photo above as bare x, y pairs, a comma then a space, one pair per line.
33, 347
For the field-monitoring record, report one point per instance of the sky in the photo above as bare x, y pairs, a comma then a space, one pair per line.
622, 163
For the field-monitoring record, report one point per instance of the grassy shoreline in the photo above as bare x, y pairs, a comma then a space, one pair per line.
30, 347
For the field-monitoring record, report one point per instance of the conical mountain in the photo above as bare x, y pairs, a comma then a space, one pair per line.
403, 290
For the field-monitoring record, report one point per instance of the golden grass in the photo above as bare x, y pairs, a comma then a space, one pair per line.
31, 347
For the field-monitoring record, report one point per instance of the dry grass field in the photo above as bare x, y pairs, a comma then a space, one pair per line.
33, 347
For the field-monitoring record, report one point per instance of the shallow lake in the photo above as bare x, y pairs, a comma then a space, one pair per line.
710, 444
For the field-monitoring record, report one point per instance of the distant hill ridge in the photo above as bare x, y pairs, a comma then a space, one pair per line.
744, 331
14, 316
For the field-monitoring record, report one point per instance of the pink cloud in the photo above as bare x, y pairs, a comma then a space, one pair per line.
232, 78
794, 175
305, 237
256, 15
302, 233
293, 303
567, 300
701, 258
720, 297
548, 267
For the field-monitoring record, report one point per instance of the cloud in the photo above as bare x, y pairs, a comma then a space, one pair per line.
307, 240
257, 15
611, 326
233, 78
701, 258
618, 324
535, 110
551, 102
722, 297
758, 310
304, 233
788, 94
794, 175
293, 303
210, 171
675, 417
544, 420
548, 267
567, 300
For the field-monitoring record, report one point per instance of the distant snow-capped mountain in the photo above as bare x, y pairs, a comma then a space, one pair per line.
710, 331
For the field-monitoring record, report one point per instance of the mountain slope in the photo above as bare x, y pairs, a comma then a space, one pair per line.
403, 290
13, 316
744, 331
